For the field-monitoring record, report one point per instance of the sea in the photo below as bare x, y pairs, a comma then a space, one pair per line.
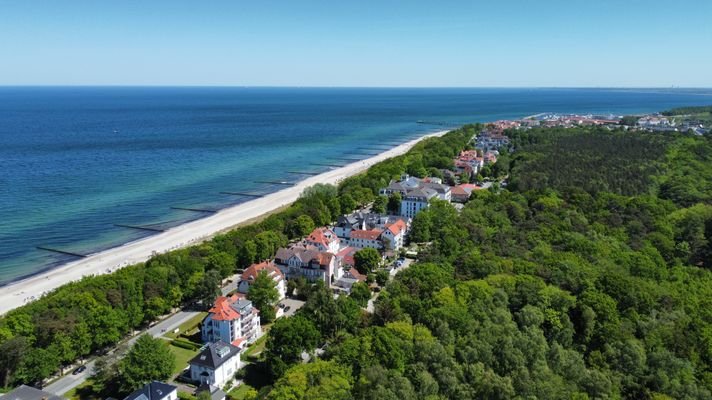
84, 169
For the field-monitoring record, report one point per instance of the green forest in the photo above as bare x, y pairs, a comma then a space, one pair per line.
587, 278
688, 110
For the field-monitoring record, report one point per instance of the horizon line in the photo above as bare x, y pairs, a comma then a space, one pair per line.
344, 87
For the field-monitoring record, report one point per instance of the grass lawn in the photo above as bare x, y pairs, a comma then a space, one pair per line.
257, 347
188, 326
182, 358
239, 392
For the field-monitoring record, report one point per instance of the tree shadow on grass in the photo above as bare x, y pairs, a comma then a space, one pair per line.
256, 375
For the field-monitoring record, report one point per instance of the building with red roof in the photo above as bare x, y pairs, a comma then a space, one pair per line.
230, 319
324, 239
393, 236
460, 195
366, 238
250, 274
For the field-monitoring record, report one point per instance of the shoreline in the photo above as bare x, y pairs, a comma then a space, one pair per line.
16, 293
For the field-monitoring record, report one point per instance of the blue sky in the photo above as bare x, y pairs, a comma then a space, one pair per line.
633, 43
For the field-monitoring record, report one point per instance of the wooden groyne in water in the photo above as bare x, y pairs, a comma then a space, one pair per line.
303, 173
276, 183
142, 228
346, 159
328, 165
203, 210
69, 253
243, 194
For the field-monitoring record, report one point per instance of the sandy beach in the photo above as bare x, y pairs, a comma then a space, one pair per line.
18, 293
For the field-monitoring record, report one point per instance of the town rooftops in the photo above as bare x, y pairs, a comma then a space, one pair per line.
24, 392
353, 273
322, 236
305, 254
152, 391
396, 227
250, 274
230, 308
347, 255
215, 354
421, 194
459, 191
372, 234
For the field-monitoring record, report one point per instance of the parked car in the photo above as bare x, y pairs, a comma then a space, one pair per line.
79, 370
287, 308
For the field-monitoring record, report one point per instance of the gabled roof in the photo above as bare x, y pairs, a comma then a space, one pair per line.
354, 274
250, 274
396, 227
460, 191
347, 255
372, 234
322, 236
24, 392
215, 355
152, 391
305, 254
228, 308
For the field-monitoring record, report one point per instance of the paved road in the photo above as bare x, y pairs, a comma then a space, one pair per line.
232, 286
69, 382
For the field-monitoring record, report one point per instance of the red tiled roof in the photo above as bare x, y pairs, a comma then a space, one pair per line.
324, 258
373, 234
396, 227
221, 310
322, 236
238, 342
347, 255
250, 274
459, 191
357, 275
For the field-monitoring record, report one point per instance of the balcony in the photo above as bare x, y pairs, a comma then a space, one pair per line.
246, 320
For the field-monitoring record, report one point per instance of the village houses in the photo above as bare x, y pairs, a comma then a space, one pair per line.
250, 274
216, 364
232, 320
309, 262
416, 193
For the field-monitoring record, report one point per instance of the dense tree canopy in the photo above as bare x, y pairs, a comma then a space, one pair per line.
564, 286
367, 260
264, 295
149, 359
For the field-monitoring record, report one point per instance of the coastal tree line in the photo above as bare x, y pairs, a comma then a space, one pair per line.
88, 316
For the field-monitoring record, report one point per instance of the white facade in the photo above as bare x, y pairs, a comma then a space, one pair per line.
411, 206
215, 365
216, 377
362, 242
231, 319
324, 239
308, 262
393, 241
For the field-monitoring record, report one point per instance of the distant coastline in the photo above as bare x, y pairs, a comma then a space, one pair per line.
21, 291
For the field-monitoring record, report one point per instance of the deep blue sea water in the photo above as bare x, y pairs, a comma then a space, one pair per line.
75, 161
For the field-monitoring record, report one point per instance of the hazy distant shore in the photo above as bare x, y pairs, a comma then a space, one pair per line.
17, 293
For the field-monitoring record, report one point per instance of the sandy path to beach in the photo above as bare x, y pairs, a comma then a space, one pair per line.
20, 292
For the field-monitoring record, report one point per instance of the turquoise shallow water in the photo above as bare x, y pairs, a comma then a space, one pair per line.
76, 161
